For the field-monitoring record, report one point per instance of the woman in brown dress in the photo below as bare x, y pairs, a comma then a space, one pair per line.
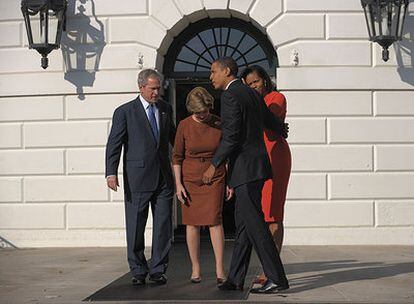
197, 138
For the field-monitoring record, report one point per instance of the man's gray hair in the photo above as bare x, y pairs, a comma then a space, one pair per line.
144, 75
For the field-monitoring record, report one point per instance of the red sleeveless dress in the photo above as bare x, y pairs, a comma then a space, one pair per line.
275, 189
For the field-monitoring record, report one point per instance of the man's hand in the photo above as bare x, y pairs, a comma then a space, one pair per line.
112, 182
208, 175
229, 193
182, 194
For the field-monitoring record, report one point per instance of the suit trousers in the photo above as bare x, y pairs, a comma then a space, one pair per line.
136, 214
252, 231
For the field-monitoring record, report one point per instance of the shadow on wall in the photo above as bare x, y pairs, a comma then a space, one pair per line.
404, 50
82, 44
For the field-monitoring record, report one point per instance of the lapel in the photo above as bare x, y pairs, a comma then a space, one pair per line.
142, 116
162, 111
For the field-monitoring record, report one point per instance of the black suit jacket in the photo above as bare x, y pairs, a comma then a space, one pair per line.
244, 115
143, 158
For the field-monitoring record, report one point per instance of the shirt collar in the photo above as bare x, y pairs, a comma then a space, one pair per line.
145, 103
230, 83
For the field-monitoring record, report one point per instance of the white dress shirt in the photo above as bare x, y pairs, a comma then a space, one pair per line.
146, 106
230, 83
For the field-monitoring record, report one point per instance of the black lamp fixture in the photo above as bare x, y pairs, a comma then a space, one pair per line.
385, 21
45, 21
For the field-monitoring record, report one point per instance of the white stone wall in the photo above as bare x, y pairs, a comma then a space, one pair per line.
351, 119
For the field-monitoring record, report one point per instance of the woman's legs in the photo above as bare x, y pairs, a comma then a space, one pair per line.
277, 231
193, 244
217, 240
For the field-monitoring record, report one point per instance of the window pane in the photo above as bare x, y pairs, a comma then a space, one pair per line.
241, 61
246, 44
196, 45
207, 56
183, 67
187, 55
207, 37
255, 54
204, 63
235, 36
229, 50
264, 64
202, 69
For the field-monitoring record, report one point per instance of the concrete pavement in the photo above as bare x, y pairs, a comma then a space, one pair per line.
317, 274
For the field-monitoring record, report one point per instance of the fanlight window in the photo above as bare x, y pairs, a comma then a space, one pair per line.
193, 52
199, 53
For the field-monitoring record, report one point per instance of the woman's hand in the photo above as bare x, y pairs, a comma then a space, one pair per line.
182, 194
208, 175
229, 193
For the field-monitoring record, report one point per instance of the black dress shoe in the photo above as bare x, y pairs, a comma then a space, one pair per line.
158, 278
138, 280
269, 287
228, 285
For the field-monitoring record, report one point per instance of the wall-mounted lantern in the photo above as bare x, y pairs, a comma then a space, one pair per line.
45, 21
385, 21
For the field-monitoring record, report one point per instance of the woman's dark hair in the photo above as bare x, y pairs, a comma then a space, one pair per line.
262, 74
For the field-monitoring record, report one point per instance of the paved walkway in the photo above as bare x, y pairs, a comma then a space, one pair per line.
318, 274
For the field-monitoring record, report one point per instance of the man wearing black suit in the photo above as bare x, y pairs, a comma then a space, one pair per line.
144, 128
244, 115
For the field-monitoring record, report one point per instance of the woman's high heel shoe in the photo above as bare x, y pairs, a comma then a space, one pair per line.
195, 280
220, 281
260, 279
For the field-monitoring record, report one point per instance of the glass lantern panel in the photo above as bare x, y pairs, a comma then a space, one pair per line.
382, 18
44, 28
401, 12
373, 20
38, 26
53, 28
368, 19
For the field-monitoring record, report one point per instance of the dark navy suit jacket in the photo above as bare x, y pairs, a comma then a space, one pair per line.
144, 158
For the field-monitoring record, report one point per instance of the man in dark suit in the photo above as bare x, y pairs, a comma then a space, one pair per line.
244, 115
144, 128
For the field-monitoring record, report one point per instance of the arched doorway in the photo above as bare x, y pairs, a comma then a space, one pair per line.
187, 64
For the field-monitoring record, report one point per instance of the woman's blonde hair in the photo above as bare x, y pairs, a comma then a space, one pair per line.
199, 99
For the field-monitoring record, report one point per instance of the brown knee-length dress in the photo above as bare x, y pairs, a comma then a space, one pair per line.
194, 147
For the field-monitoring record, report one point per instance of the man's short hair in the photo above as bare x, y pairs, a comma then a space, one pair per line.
144, 75
228, 62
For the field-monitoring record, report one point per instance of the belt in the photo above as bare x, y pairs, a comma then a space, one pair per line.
200, 159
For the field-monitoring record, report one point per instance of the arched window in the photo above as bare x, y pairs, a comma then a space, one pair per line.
193, 51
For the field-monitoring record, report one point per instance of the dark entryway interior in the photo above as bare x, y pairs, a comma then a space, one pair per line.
187, 65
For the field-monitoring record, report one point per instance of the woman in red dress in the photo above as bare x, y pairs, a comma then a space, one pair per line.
274, 190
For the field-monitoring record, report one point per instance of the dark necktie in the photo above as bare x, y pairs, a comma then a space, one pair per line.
153, 121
